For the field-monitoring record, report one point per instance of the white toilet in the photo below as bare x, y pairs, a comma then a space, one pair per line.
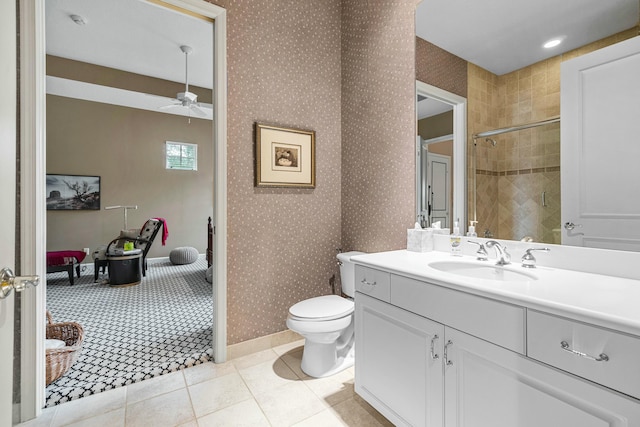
326, 323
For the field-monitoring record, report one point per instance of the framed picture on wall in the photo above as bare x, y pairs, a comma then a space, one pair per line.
73, 192
285, 157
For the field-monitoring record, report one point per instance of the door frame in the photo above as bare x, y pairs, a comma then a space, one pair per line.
459, 104
8, 114
430, 158
32, 188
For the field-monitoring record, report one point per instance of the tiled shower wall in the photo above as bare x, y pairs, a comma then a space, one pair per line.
512, 177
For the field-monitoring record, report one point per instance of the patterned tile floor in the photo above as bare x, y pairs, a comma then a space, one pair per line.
262, 389
132, 333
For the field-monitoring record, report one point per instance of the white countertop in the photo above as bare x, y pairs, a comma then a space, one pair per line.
607, 301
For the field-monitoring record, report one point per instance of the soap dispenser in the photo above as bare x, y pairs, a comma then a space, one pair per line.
472, 229
456, 247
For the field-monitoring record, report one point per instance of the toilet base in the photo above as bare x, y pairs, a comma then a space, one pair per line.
321, 359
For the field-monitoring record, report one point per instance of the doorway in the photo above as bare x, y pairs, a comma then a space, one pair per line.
33, 210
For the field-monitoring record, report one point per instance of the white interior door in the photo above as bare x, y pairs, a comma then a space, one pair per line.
439, 187
600, 151
8, 191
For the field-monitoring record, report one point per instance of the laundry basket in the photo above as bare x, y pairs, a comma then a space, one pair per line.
59, 360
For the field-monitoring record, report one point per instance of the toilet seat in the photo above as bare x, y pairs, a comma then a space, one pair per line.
327, 307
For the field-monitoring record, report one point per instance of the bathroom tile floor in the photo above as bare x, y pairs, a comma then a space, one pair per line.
266, 388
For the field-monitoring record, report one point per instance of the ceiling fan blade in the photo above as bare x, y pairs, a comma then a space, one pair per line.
174, 105
198, 110
205, 106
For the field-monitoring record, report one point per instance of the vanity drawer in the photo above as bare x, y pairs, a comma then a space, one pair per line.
500, 323
372, 282
546, 333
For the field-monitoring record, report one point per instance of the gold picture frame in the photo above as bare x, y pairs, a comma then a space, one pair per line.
285, 157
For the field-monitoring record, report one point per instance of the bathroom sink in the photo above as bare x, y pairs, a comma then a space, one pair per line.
482, 271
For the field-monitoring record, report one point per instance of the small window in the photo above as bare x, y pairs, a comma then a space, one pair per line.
182, 156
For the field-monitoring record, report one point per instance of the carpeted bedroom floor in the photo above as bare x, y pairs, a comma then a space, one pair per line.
132, 333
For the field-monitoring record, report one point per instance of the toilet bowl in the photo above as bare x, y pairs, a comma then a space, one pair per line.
326, 323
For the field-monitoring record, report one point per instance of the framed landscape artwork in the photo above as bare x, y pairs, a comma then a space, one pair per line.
285, 157
73, 192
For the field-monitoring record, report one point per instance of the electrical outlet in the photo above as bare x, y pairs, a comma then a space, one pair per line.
86, 251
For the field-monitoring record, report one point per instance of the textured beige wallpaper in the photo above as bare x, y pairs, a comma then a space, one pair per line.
440, 68
378, 124
284, 69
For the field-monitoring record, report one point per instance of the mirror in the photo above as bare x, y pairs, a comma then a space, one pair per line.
512, 177
440, 151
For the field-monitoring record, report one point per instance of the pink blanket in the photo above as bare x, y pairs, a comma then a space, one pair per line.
165, 230
64, 257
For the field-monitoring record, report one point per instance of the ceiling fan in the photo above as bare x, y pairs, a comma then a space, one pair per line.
188, 99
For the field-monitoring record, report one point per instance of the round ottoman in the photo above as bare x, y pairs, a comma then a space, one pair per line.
183, 255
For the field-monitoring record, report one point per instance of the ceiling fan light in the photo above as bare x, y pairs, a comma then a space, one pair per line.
189, 96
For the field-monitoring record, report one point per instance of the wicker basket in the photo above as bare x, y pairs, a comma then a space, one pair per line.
59, 360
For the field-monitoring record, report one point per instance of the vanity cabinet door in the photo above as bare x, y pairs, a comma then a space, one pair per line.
486, 385
395, 368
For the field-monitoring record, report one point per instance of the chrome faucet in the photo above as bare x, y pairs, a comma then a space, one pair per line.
528, 260
481, 253
501, 252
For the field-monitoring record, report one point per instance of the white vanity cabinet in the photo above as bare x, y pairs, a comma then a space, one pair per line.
428, 355
398, 363
487, 385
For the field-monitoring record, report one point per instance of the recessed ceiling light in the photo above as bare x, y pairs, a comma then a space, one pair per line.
553, 42
78, 19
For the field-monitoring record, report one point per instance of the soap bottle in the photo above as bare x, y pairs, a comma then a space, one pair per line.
456, 244
472, 229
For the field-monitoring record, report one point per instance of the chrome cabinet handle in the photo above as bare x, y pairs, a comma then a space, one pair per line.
601, 358
364, 282
446, 355
434, 355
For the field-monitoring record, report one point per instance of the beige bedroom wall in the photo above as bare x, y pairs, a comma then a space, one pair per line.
435, 126
125, 147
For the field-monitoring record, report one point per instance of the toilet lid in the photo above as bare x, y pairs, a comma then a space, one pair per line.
326, 307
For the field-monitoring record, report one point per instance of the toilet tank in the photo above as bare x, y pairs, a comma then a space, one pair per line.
348, 272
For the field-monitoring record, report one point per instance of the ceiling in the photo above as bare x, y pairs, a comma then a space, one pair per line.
141, 37
136, 36
505, 35
428, 107
132, 35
